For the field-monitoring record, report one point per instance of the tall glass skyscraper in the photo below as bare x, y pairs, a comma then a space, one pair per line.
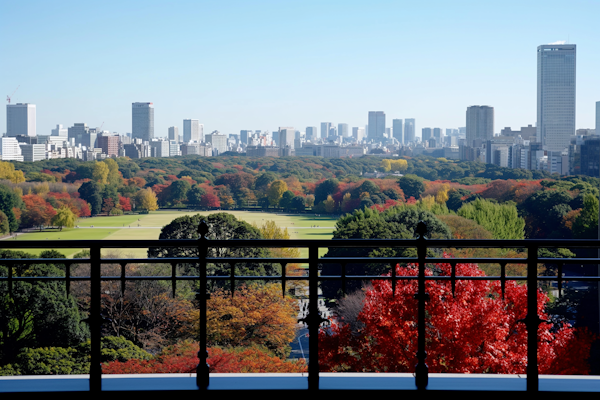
409, 130
555, 95
376, 125
142, 121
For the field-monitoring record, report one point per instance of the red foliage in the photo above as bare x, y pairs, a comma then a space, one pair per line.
474, 331
183, 358
210, 200
125, 203
37, 211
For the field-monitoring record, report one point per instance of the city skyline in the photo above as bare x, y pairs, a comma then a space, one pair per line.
228, 84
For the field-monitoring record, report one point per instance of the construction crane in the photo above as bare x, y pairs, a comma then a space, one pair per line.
9, 97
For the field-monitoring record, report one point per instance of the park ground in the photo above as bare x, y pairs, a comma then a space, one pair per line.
148, 227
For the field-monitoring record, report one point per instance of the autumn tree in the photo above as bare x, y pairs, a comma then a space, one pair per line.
8, 172
113, 177
387, 340
38, 212
101, 172
146, 200
255, 315
276, 191
64, 217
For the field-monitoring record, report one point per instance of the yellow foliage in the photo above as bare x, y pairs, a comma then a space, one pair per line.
8, 172
100, 173
255, 315
146, 200
270, 230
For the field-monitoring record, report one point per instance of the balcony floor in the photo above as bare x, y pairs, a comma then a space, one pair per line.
281, 383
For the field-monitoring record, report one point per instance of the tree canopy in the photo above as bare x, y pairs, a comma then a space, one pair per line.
473, 330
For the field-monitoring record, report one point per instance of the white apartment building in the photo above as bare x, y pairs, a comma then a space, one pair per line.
10, 149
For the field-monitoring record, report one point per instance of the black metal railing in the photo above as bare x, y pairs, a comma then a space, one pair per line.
313, 319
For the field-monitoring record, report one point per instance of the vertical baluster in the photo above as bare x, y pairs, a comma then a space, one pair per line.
202, 371
313, 318
532, 320
95, 319
422, 371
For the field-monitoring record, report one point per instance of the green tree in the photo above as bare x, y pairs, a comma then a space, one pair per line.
9, 200
37, 315
286, 200
500, 219
91, 192
412, 186
395, 223
64, 217
586, 224
178, 191
222, 226
326, 188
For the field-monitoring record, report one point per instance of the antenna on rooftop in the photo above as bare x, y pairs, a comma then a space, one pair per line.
9, 97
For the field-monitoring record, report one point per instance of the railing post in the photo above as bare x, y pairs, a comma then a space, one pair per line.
202, 370
95, 319
422, 371
313, 318
532, 320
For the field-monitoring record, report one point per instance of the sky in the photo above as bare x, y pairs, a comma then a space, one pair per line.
263, 64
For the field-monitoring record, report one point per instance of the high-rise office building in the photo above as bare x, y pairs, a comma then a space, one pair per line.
245, 135
142, 121
311, 133
397, 130
480, 123
60, 131
376, 125
286, 137
426, 134
555, 95
20, 120
191, 130
343, 130
409, 130
325, 127
598, 119
437, 134
174, 133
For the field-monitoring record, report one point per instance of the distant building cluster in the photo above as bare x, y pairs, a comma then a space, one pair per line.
552, 144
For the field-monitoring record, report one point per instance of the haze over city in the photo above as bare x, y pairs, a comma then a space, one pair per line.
260, 65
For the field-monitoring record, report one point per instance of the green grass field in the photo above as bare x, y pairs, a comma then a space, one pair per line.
148, 226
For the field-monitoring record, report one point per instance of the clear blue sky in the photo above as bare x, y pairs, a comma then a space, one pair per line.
262, 64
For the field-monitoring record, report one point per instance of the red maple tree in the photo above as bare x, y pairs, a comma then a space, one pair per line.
473, 331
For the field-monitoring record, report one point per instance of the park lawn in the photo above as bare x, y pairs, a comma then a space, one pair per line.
300, 226
65, 234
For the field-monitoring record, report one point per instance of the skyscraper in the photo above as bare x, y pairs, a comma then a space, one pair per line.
343, 130
20, 120
142, 121
409, 130
555, 95
397, 130
325, 127
376, 125
598, 119
191, 130
311, 133
174, 133
480, 123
